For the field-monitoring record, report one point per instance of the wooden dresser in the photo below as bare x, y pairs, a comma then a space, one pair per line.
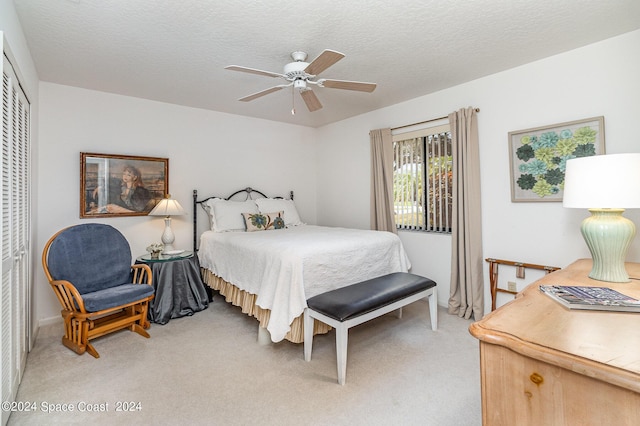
543, 364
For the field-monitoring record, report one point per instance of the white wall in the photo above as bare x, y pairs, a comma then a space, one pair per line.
214, 153
599, 79
19, 50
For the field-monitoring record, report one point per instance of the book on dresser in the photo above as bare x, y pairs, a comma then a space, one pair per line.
593, 298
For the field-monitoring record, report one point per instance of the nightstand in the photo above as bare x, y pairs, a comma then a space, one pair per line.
179, 290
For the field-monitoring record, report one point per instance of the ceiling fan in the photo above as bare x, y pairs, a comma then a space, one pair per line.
300, 75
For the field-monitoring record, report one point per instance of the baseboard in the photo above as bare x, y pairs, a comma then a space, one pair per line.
48, 321
45, 322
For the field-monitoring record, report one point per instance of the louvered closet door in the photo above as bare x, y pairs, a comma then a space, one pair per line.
15, 233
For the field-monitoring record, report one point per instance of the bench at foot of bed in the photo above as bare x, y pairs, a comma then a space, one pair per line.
349, 306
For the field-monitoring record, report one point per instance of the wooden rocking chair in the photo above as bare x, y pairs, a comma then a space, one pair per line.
89, 268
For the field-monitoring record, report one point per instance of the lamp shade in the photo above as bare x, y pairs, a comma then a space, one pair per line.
167, 207
603, 181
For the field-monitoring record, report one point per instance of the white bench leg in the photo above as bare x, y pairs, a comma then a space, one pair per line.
308, 334
433, 309
342, 336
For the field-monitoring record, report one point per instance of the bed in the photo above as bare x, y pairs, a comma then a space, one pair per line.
270, 274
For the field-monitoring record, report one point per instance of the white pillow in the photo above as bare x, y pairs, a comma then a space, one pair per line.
291, 217
208, 207
227, 215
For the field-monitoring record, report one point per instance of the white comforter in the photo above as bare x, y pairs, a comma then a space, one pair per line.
286, 267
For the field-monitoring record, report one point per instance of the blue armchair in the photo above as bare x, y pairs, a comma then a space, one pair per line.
89, 268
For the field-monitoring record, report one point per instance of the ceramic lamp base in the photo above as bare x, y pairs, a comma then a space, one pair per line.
608, 235
167, 236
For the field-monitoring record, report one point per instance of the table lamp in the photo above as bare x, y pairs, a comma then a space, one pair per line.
167, 207
606, 185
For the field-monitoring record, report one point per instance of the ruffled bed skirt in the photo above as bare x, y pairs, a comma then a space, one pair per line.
246, 301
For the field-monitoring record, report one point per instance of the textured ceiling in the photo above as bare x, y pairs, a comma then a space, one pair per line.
176, 51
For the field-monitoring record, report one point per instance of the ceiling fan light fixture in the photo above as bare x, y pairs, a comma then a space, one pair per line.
300, 74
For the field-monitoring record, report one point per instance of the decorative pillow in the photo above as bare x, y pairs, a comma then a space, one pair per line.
227, 215
291, 217
262, 221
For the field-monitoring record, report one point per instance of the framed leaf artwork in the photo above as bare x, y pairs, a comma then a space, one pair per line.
539, 156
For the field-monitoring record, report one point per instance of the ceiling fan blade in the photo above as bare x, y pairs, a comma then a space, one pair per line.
254, 71
348, 85
311, 100
262, 93
322, 62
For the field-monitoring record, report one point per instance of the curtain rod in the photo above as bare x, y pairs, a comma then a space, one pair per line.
426, 121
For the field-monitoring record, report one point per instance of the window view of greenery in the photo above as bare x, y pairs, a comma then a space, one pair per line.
422, 183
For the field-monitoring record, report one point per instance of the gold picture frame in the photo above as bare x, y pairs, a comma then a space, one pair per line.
121, 185
538, 156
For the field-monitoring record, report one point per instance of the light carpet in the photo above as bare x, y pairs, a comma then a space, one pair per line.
209, 369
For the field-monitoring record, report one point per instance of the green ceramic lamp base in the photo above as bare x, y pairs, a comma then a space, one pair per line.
608, 235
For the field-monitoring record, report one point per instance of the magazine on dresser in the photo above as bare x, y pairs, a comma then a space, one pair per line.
591, 298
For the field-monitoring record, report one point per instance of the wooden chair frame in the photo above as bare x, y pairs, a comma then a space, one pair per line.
81, 326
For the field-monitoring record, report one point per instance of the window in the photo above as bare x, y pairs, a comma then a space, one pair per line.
422, 180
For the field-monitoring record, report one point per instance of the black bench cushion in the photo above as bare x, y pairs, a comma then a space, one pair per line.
358, 299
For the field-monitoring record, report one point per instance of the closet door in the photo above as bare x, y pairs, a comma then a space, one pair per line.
15, 232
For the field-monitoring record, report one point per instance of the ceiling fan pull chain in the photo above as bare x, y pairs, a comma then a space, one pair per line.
293, 102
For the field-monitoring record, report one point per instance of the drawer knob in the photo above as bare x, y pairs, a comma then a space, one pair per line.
536, 378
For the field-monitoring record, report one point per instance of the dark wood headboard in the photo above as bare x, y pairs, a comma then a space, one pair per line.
248, 193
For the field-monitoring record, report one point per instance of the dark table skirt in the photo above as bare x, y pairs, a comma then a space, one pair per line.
179, 290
